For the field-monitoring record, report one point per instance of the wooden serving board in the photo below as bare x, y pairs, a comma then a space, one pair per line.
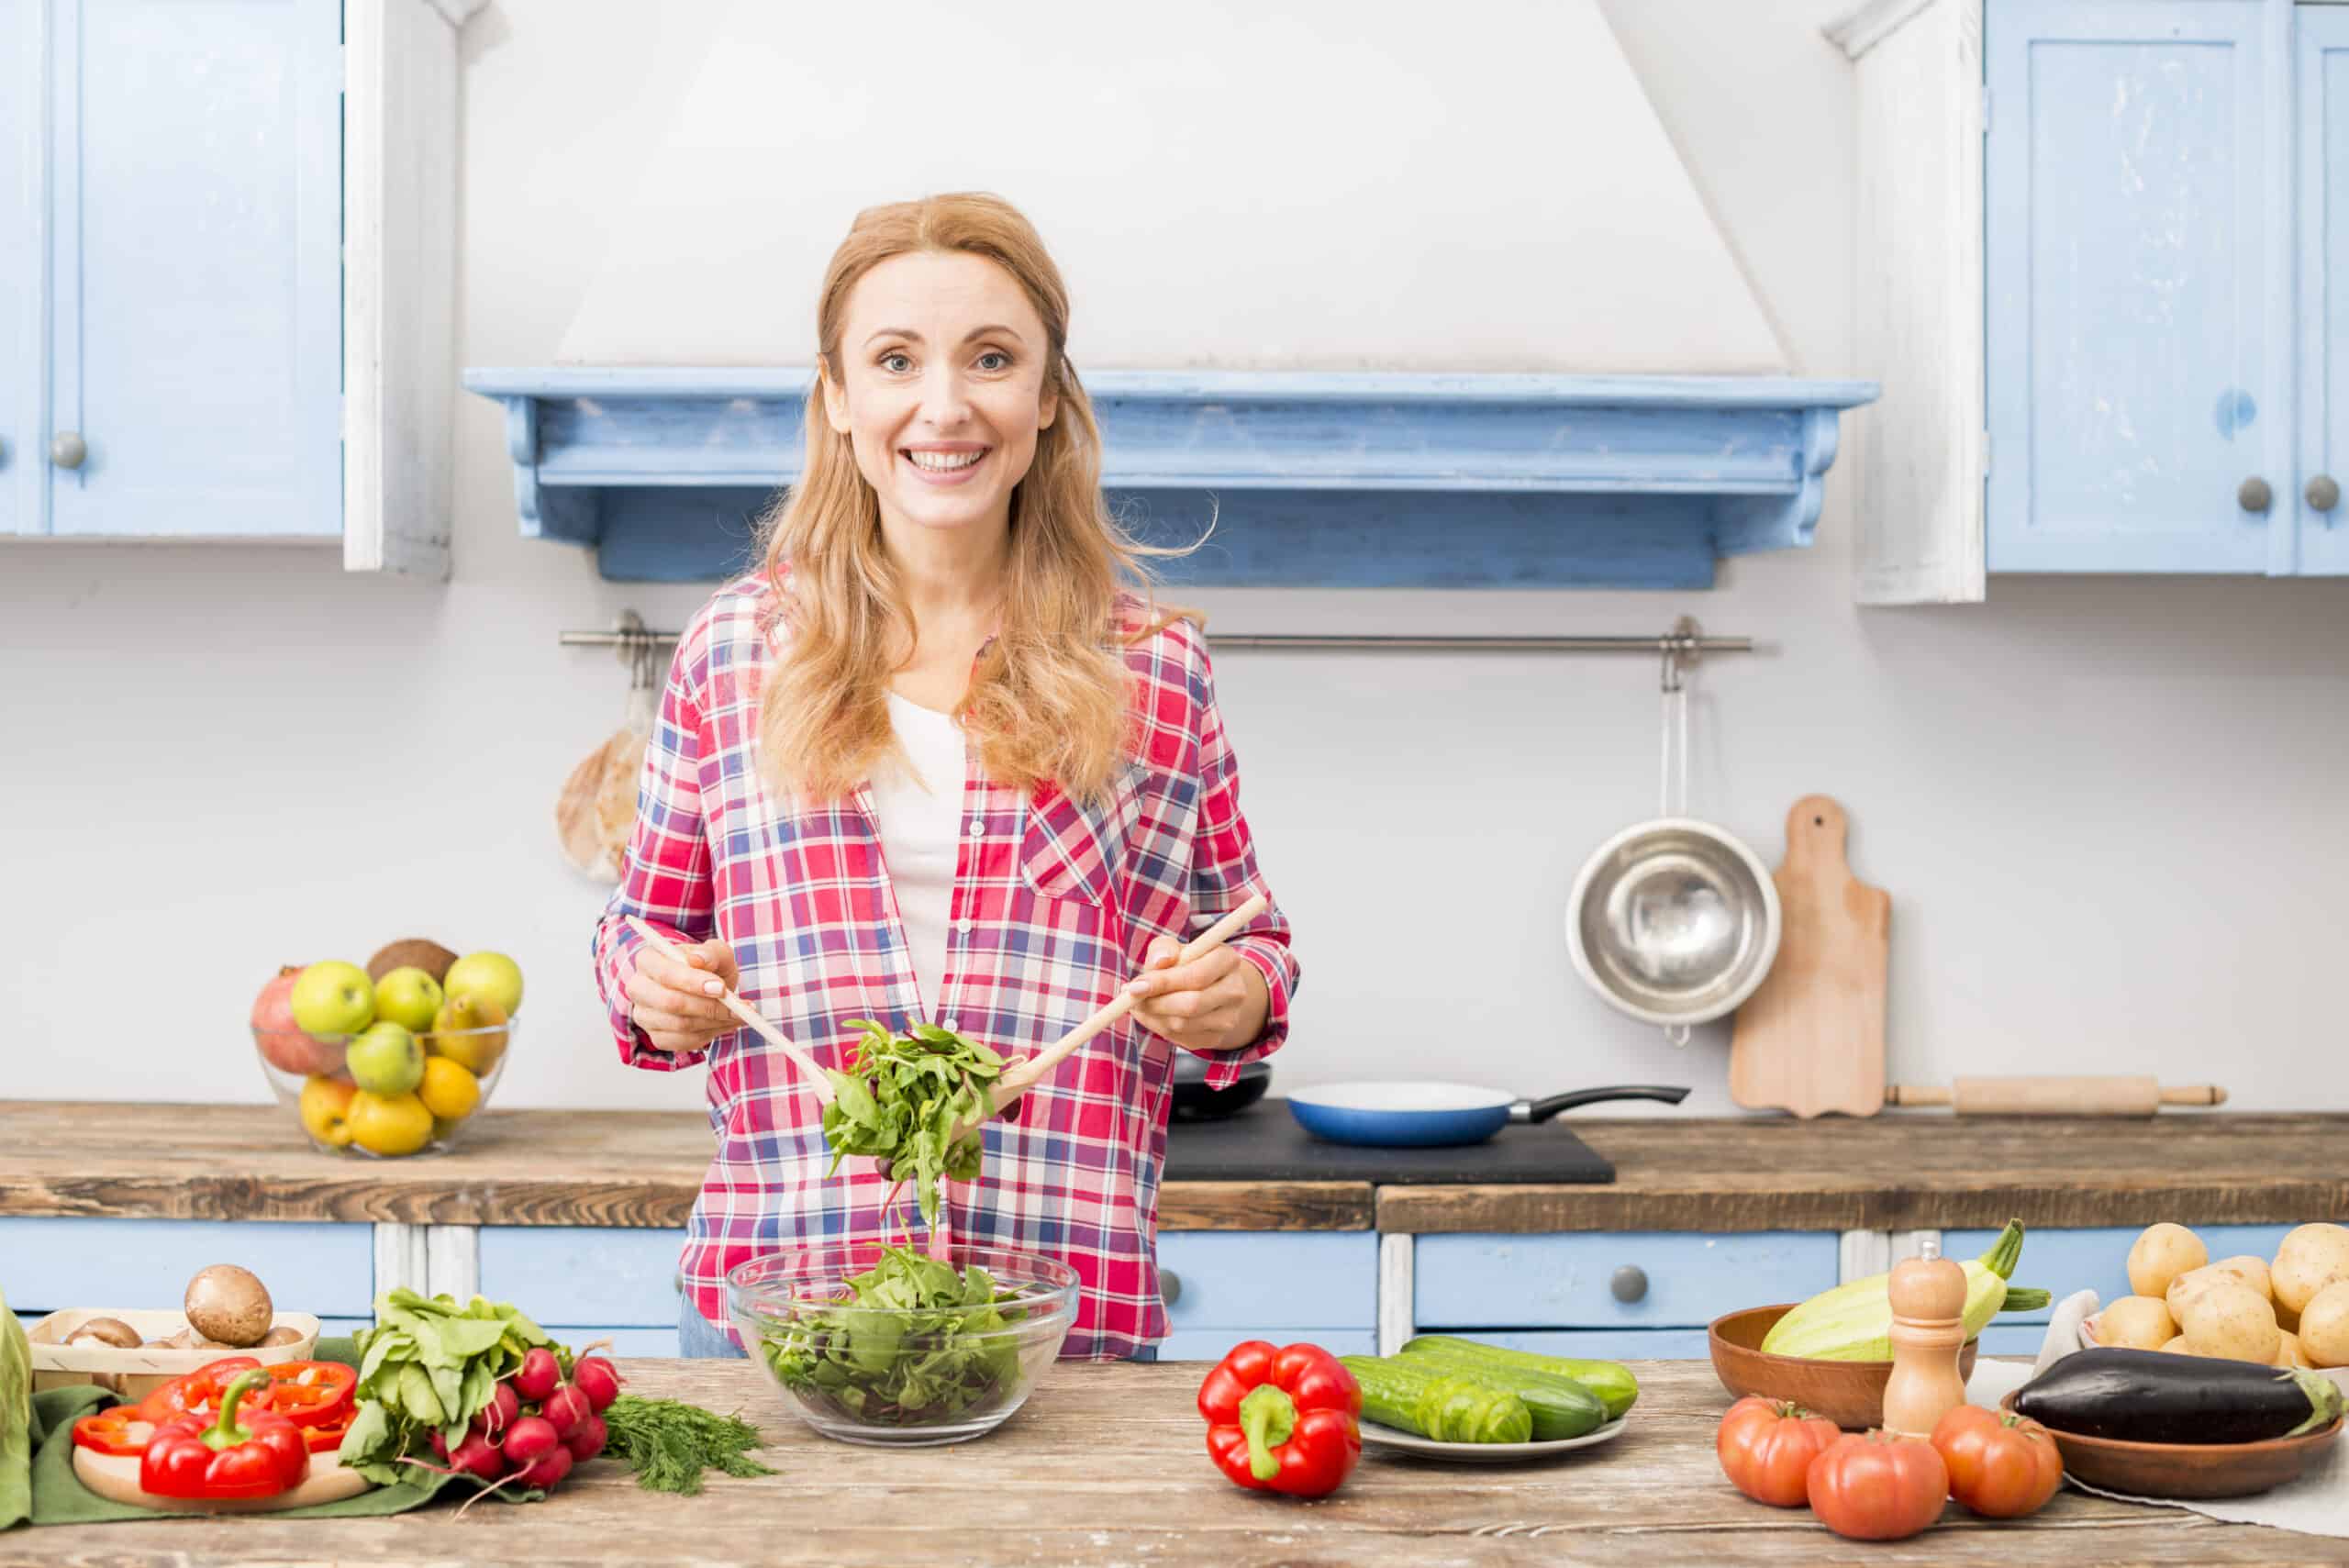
115, 1478
1811, 1039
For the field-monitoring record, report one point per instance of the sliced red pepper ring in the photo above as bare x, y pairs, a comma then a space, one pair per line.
311, 1393
121, 1431
328, 1439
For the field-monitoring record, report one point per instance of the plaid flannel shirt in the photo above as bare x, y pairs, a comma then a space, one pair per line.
1054, 903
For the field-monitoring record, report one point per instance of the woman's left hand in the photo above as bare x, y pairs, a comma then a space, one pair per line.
1216, 1002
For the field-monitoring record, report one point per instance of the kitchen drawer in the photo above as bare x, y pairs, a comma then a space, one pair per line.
324, 1269
606, 1274
1603, 1344
1214, 1344
1270, 1281
2061, 1261
1563, 1281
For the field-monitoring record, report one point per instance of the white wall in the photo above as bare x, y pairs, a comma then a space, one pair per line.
2110, 813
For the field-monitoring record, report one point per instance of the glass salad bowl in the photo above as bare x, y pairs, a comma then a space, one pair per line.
873, 1343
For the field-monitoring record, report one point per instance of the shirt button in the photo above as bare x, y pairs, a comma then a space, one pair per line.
978, 828
964, 924
949, 1026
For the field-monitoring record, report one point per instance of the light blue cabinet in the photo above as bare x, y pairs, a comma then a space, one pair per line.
48, 1265
21, 75
1284, 1286
589, 1283
2321, 102
2138, 358
195, 273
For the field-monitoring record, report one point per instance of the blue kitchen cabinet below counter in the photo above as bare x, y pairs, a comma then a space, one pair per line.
1283, 1285
54, 1265
1621, 1282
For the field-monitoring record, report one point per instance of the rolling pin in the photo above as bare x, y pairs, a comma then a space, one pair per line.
2056, 1096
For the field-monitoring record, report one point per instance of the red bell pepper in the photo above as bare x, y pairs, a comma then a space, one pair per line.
197, 1390
306, 1392
1283, 1420
262, 1457
121, 1431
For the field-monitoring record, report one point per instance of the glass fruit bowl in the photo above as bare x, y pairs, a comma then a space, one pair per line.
878, 1344
340, 1086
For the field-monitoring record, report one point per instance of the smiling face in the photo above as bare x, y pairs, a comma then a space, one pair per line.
939, 383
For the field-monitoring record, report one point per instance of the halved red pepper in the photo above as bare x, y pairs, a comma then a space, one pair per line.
328, 1439
257, 1456
197, 1390
306, 1392
1283, 1420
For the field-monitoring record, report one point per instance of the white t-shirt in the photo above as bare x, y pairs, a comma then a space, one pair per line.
920, 836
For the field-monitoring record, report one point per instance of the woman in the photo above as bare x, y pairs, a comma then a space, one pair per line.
933, 762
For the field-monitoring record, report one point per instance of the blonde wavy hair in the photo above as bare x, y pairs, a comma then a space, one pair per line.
1047, 699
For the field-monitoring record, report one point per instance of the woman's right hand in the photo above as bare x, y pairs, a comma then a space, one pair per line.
676, 1005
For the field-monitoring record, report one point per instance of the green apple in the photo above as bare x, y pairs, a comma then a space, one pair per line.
408, 997
385, 1060
492, 977
333, 998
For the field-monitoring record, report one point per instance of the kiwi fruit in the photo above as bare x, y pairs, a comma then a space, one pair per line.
416, 953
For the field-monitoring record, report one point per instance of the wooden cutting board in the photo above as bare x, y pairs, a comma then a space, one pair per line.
1810, 1040
115, 1478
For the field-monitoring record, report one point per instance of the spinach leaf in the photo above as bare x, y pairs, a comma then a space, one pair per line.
903, 1099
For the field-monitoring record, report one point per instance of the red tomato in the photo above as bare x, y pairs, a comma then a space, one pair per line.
2001, 1465
1879, 1486
1766, 1447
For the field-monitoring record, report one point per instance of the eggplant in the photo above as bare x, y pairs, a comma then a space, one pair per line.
2161, 1397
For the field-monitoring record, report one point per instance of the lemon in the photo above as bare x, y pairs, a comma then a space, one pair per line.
448, 1091
389, 1124
325, 1109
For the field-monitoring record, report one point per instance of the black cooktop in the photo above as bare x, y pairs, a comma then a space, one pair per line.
1265, 1143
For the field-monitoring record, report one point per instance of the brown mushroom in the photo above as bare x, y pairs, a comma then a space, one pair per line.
112, 1333
283, 1335
229, 1304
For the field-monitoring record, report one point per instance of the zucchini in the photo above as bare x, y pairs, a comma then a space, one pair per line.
1853, 1322
2153, 1397
1448, 1410
1617, 1389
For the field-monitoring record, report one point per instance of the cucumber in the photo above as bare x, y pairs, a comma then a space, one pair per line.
1617, 1389
1438, 1406
1561, 1407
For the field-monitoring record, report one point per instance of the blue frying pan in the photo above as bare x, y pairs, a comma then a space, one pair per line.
1428, 1115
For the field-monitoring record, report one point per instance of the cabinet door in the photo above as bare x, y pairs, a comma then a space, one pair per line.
196, 211
22, 161
2322, 338
2138, 285
1223, 1286
1614, 1280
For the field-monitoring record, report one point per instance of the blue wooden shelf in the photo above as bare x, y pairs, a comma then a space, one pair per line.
1312, 479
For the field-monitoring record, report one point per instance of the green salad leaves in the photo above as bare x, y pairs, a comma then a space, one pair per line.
429, 1365
913, 1342
903, 1101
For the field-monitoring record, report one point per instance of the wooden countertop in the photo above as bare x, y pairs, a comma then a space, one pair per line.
1890, 1171
1106, 1465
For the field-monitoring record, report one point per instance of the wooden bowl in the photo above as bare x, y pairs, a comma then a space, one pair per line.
1850, 1394
2186, 1470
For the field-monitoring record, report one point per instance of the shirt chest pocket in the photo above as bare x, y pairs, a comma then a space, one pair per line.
1072, 850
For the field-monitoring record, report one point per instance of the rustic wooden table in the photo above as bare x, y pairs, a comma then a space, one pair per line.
1106, 1465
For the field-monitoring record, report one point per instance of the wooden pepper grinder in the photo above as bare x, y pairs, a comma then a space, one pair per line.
1928, 1330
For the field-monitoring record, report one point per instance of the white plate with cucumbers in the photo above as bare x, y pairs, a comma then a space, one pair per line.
1373, 1434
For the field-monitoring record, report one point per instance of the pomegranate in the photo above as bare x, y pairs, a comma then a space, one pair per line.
279, 1038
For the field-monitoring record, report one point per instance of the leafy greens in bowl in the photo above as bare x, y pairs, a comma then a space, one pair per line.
876, 1343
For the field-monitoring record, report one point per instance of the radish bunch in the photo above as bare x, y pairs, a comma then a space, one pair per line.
536, 1427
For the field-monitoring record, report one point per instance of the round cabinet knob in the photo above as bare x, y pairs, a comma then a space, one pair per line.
1170, 1286
2254, 495
2323, 493
67, 449
1630, 1284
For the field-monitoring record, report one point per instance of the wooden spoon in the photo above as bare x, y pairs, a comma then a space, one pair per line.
748, 1013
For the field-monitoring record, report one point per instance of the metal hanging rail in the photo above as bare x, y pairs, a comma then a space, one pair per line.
1680, 647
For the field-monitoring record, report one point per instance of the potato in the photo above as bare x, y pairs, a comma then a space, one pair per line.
2139, 1322
2289, 1351
2287, 1319
2312, 1257
2190, 1285
2251, 1270
2324, 1326
2160, 1254
2232, 1319
2178, 1347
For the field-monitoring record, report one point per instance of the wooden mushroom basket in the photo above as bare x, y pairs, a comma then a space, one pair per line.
138, 1372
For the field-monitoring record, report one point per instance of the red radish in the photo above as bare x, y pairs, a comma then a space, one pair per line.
566, 1407
531, 1437
538, 1373
498, 1414
546, 1470
478, 1457
439, 1447
587, 1442
599, 1380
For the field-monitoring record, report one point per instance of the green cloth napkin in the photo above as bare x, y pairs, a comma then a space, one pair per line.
60, 1498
